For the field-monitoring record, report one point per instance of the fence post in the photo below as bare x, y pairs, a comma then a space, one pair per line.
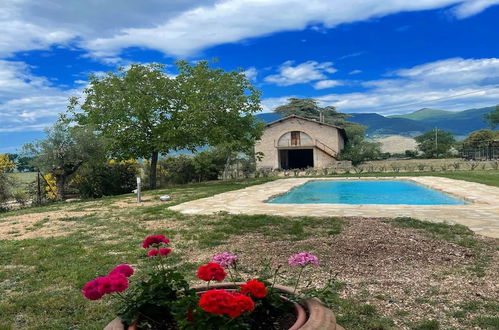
38, 189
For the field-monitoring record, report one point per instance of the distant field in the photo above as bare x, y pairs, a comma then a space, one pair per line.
22, 180
396, 143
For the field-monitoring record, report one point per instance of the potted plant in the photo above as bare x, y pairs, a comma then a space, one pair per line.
161, 298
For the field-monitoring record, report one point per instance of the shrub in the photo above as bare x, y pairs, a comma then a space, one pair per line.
107, 179
177, 169
4, 188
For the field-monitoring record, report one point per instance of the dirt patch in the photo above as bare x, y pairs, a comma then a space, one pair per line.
391, 268
132, 202
39, 225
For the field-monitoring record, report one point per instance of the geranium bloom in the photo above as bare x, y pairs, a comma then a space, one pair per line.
119, 283
164, 251
211, 271
91, 290
154, 240
124, 270
302, 259
240, 304
105, 284
221, 302
153, 253
254, 287
224, 259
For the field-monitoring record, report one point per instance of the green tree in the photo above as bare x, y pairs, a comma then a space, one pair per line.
64, 150
480, 138
147, 113
309, 108
493, 117
435, 143
222, 108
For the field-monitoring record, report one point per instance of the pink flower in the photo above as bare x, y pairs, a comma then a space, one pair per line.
124, 270
91, 290
154, 240
119, 283
105, 284
302, 259
153, 253
164, 251
225, 259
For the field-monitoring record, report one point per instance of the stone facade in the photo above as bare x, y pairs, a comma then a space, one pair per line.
296, 142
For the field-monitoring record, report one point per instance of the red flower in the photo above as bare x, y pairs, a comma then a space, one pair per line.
91, 290
240, 304
255, 288
153, 253
211, 271
223, 302
164, 251
105, 284
154, 240
124, 270
119, 283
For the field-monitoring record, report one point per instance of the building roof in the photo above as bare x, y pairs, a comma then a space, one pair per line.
340, 129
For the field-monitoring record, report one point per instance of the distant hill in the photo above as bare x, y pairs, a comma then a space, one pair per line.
423, 114
460, 123
378, 124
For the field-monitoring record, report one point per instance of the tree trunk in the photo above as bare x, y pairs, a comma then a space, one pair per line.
60, 181
226, 168
152, 173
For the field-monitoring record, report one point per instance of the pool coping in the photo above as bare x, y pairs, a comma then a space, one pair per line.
480, 215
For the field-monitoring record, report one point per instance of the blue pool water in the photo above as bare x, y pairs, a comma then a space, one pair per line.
365, 192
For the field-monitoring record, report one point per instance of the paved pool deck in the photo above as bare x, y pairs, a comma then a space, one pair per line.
481, 214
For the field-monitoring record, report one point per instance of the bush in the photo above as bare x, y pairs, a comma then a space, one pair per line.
177, 169
4, 188
106, 179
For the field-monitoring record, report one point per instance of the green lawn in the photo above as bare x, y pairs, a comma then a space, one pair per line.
41, 276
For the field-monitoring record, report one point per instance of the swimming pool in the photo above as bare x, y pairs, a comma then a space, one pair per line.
365, 192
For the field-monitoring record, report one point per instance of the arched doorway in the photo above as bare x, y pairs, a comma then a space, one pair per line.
296, 150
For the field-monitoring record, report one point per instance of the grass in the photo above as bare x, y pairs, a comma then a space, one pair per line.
41, 278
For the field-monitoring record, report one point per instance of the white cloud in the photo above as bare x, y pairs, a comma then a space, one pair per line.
301, 73
462, 83
184, 27
323, 84
470, 8
27, 101
355, 72
251, 73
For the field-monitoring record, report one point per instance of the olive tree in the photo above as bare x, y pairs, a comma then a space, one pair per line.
64, 150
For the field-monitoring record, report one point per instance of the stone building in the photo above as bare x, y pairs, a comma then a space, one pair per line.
297, 142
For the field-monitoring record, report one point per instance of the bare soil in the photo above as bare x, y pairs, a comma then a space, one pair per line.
394, 269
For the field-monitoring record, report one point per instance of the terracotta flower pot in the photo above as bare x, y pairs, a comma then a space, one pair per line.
311, 314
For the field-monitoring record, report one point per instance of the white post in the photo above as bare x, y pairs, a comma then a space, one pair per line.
138, 189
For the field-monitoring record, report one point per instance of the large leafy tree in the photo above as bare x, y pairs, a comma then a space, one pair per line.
148, 113
435, 143
480, 138
64, 150
493, 117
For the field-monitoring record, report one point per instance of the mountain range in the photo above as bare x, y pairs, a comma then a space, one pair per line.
459, 123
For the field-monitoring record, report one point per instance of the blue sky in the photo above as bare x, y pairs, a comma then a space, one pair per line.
387, 57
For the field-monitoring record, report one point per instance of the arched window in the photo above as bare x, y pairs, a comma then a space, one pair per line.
295, 139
